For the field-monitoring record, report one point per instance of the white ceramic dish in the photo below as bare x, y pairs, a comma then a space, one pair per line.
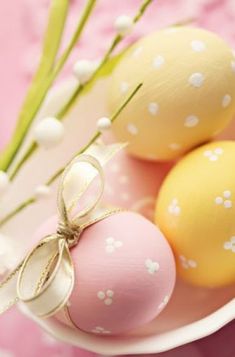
192, 313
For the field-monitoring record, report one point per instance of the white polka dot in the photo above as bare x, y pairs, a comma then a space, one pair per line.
196, 79
108, 302
137, 51
110, 249
219, 200
233, 66
109, 293
164, 302
124, 86
158, 61
198, 46
110, 240
213, 158
106, 297
174, 146
132, 129
118, 244
226, 100
218, 151
177, 211
192, 263
207, 153
153, 108
227, 194
101, 295
191, 121
227, 204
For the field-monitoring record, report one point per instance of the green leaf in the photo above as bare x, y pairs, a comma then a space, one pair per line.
52, 40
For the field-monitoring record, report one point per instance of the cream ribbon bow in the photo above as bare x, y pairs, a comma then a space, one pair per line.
44, 280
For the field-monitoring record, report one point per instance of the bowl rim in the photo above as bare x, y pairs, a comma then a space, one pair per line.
139, 344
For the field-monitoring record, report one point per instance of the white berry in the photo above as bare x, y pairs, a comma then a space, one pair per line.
4, 182
42, 191
84, 69
123, 24
49, 132
104, 124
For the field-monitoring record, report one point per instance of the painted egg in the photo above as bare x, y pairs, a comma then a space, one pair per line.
196, 210
124, 274
187, 97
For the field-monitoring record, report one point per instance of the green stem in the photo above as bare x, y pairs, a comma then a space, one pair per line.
97, 135
76, 36
52, 179
142, 10
39, 92
17, 210
52, 39
80, 88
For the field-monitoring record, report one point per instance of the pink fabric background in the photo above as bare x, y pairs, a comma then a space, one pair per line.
21, 28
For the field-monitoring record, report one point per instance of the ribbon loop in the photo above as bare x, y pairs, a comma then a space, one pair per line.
94, 170
44, 280
46, 295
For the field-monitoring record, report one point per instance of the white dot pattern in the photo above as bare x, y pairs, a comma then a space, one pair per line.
198, 46
191, 121
174, 207
226, 100
158, 61
196, 80
213, 155
230, 245
124, 87
233, 65
174, 146
153, 108
132, 129
224, 200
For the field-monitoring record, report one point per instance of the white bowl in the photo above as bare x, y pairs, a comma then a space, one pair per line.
192, 313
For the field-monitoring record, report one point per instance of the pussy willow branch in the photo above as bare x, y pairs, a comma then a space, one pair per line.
39, 93
52, 179
80, 88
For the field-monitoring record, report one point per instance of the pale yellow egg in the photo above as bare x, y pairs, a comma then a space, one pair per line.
188, 93
196, 212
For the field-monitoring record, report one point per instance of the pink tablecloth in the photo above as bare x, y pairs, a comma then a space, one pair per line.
21, 27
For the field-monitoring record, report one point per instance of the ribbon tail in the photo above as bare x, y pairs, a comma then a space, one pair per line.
47, 295
8, 291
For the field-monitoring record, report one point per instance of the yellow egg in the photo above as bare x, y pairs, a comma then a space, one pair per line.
196, 212
188, 93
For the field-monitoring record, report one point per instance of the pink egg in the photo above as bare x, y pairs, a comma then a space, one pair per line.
124, 274
134, 184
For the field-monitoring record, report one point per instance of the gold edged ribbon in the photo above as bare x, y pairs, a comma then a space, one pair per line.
44, 280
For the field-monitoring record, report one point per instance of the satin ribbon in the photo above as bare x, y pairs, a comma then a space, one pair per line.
44, 280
